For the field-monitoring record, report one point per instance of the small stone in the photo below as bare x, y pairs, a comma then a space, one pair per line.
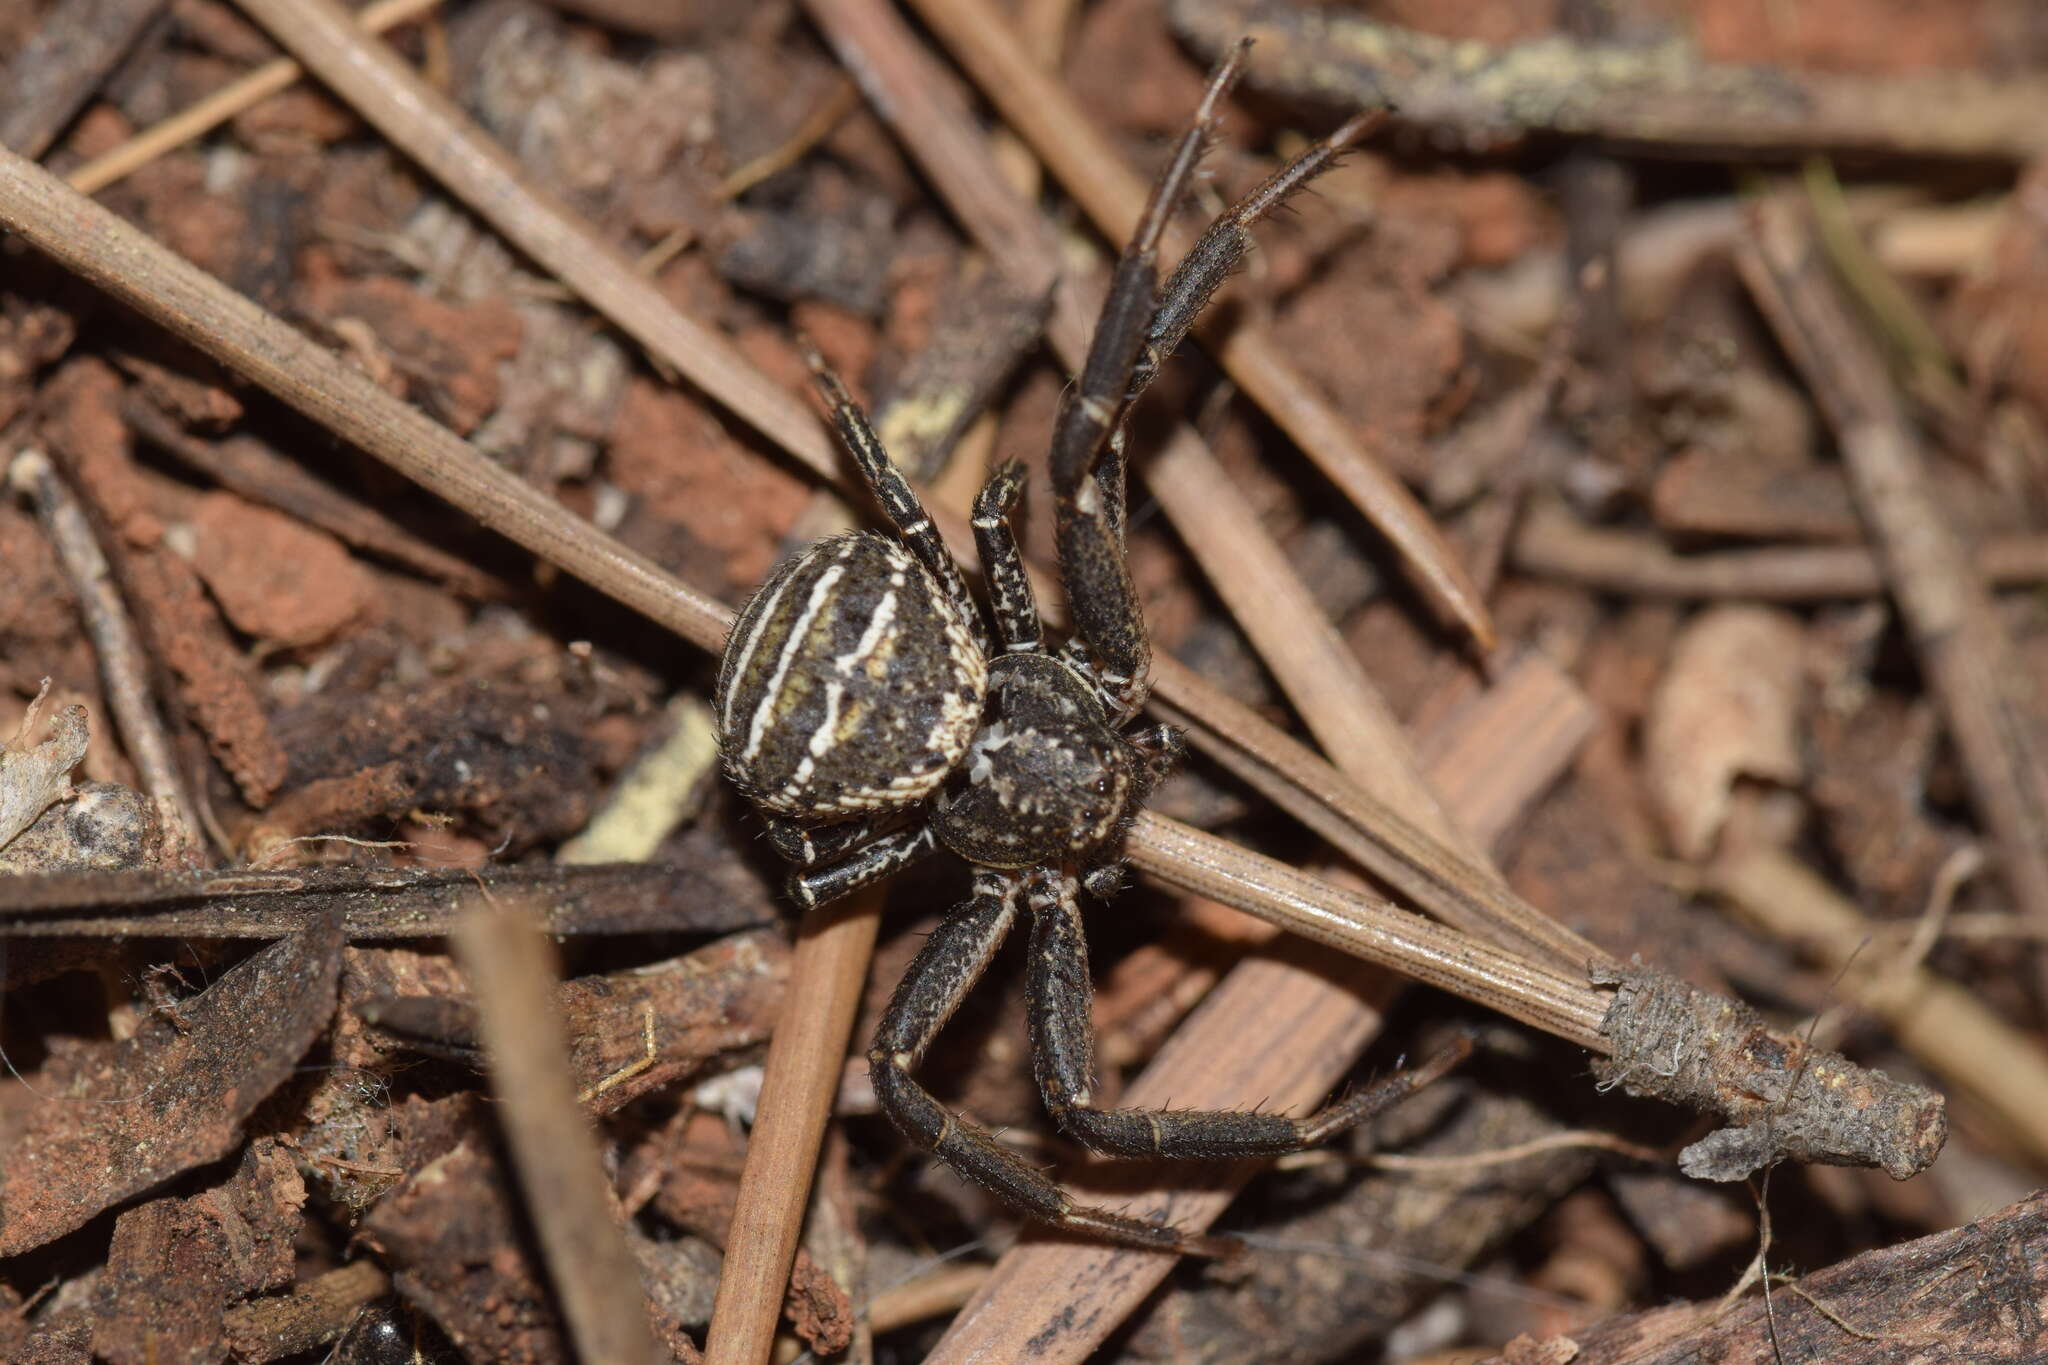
277, 579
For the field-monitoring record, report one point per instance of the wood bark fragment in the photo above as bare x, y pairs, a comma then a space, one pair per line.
1971, 1293
122, 1119
73, 51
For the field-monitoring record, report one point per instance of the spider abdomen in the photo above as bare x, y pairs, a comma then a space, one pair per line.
850, 684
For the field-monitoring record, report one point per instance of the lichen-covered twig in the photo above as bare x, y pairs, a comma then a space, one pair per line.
1784, 1100
1664, 95
1940, 1021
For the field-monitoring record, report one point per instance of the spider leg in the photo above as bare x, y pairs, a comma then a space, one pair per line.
865, 864
899, 501
1087, 487
809, 845
1063, 1049
945, 969
1211, 260
1009, 586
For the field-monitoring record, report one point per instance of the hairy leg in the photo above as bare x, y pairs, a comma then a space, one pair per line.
898, 499
809, 845
863, 865
1009, 585
1088, 527
947, 967
1063, 1049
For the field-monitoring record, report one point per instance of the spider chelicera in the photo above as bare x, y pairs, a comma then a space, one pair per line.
866, 708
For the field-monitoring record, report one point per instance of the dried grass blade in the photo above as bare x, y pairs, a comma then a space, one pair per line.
553, 1147
799, 1080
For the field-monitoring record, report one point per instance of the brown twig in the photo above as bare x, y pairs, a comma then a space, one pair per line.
928, 1296
315, 1312
58, 70
428, 127
102, 248
124, 667
553, 1148
385, 905
1956, 631
1553, 544
798, 1082
245, 92
1091, 171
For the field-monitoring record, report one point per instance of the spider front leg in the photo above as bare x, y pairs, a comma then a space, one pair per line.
945, 969
1087, 462
1223, 245
1063, 1047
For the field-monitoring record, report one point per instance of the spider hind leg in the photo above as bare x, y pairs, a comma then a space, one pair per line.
1063, 1050
945, 969
862, 865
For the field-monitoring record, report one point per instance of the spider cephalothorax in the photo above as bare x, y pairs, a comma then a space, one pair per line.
867, 708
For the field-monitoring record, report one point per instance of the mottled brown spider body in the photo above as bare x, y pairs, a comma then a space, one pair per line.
851, 683
1047, 777
865, 705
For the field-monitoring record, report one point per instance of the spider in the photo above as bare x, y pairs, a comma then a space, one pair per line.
865, 707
